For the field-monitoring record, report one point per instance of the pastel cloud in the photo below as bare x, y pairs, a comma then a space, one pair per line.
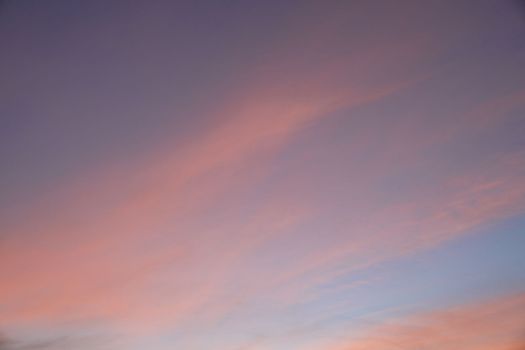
97, 278
492, 324
182, 235
77, 255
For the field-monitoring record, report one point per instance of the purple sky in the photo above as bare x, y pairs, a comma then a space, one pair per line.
262, 175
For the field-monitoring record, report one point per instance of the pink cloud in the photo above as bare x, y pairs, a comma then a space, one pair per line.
119, 243
494, 324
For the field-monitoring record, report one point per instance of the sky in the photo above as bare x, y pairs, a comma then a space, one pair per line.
262, 175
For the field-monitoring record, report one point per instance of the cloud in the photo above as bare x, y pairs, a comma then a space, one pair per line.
93, 249
493, 324
177, 236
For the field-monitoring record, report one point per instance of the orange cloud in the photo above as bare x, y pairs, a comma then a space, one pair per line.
106, 270
496, 324
79, 260
118, 243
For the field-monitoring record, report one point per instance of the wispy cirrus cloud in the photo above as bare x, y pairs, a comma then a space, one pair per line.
491, 324
235, 223
88, 247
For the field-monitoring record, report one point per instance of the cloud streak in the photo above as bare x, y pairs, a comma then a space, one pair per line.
492, 324
321, 163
